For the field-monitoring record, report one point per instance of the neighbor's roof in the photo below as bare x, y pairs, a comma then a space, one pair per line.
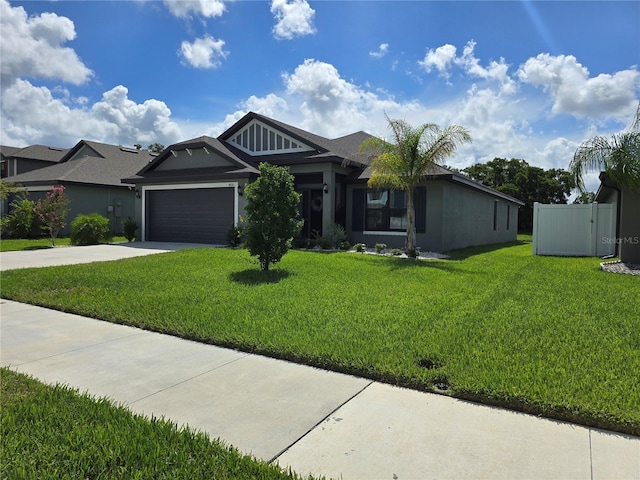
36, 152
110, 164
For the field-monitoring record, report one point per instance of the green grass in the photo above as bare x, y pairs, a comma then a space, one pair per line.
547, 335
12, 245
57, 433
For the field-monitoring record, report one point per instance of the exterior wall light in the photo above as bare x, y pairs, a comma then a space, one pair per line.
137, 193
325, 188
240, 190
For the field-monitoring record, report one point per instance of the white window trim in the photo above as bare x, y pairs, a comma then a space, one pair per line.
186, 186
385, 232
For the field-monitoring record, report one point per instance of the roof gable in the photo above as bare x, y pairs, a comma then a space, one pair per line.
259, 138
197, 154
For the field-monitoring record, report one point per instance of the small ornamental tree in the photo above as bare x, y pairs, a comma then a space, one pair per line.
271, 215
52, 212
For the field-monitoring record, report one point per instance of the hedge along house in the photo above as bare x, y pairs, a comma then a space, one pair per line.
91, 173
193, 191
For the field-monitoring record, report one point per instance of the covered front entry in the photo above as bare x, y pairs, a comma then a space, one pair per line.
311, 204
194, 215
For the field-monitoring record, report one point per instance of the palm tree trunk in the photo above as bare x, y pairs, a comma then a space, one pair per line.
410, 243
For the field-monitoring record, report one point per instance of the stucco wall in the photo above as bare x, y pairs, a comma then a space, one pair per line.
468, 218
629, 234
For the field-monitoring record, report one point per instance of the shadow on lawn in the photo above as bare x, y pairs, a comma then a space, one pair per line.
464, 253
258, 277
38, 247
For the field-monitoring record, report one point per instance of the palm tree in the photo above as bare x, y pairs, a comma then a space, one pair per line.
405, 162
619, 157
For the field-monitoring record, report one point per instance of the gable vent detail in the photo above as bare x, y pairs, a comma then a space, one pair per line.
257, 138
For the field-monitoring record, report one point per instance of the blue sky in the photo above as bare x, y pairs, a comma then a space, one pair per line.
529, 80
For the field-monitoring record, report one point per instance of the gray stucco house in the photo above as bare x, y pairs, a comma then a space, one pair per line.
627, 217
91, 173
193, 191
21, 160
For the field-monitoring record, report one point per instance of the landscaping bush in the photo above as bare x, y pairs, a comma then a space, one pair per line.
396, 252
360, 247
234, 236
335, 235
22, 222
380, 247
344, 245
90, 229
130, 227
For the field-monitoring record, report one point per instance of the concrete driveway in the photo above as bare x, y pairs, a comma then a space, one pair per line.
87, 254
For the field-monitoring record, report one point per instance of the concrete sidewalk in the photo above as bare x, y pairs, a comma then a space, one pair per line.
312, 420
48, 257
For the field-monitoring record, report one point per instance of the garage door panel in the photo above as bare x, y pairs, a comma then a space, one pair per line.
199, 215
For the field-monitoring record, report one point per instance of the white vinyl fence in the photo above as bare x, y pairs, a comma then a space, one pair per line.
586, 230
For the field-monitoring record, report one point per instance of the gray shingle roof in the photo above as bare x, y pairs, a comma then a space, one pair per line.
41, 152
111, 164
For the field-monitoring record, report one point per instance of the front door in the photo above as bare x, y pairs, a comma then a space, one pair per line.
311, 212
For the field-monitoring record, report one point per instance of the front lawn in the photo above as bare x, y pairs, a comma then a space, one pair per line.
554, 336
55, 432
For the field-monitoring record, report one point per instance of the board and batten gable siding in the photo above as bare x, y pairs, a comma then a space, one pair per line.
182, 160
85, 151
471, 217
574, 230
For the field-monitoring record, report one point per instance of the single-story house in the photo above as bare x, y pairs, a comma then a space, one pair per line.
627, 202
193, 191
91, 173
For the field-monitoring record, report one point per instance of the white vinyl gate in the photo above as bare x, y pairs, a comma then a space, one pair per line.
586, 230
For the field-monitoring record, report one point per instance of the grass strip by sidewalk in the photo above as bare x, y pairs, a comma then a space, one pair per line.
13, 245
546, 335
57, 433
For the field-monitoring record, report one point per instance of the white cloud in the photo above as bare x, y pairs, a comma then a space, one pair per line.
574, 92
294, 18
33, 115
206, 8
441, 59
444, 57
32, 46
383, 49
206, 52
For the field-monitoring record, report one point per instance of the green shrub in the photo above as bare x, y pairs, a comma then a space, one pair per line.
90, 229
396, 252
360, 247
130, 227
335, 235
22, 222
325, 243
380, 247
345, 245
234, 236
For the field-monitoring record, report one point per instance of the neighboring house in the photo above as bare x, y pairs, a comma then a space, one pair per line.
21, 160
91, 173
193, 191
627, 202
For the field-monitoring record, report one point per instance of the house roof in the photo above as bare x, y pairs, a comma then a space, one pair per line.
439, 172
6, 151
36, 152
110, 164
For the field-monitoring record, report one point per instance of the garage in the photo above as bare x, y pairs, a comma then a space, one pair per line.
194, 215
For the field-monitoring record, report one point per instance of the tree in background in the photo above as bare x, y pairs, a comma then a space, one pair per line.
405, 162
271, 215
155, 147
585, 197
520, 180
52, 212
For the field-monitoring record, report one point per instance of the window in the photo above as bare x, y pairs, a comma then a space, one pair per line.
386, 210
